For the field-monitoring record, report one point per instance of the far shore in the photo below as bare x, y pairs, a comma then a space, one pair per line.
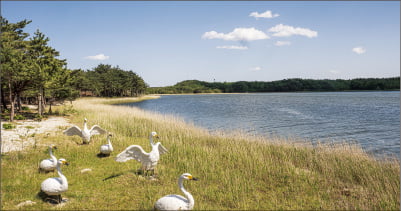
216, 93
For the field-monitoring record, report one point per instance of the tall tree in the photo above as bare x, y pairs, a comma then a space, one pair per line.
44, 64
13, 59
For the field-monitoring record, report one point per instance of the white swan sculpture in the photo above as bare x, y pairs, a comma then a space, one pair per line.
85, 134
55, 186
177, 202
106, 149
148, 160
50, 164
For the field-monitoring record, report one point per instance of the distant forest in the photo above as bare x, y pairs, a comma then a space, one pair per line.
286, 85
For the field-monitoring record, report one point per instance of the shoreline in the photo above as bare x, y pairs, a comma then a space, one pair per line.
345, 91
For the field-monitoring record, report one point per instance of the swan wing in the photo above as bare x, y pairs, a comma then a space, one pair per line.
162, 149
52, 186
74, 130
97, 130
172, 202
132, 152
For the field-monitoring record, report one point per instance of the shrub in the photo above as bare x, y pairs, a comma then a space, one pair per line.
38, 117
68, 109
19, 117
25, 108
8, 126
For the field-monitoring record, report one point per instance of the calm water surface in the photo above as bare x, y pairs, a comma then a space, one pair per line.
371, 119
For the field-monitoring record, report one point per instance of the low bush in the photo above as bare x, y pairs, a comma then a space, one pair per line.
8, 126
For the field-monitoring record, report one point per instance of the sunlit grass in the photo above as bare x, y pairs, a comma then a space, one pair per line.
235, 171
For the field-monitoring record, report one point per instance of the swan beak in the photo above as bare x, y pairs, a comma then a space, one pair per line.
156, 136
190, 177
66, 163
54, 147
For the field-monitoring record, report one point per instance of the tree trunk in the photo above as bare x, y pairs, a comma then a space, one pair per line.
12, 102
50, 108
43, 101
3, 100
19, 104
40, 102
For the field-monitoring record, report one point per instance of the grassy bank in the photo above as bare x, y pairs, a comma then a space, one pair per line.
235, 171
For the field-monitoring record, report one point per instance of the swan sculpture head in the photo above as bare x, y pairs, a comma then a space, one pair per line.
152, 136
188, 176
63, 161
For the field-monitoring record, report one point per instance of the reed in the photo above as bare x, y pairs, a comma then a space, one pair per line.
236, 171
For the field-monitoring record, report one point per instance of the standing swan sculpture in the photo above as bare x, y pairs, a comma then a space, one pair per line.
50, 164
55, 186
177, 202
85, 133
148, 160
106, 149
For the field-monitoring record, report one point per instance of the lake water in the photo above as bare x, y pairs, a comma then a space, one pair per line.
371, 119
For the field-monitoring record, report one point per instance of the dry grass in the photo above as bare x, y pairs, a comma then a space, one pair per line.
236, 171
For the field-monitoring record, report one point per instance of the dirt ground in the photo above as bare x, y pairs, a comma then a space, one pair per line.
23, 135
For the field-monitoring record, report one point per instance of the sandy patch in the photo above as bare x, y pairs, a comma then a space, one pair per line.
21, 137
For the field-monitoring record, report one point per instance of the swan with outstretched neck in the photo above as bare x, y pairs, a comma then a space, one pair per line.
55, 186
48, 165
177, 202
106, 149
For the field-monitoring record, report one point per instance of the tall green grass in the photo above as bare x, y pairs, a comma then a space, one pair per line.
235, 171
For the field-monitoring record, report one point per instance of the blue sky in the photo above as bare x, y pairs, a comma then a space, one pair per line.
166, 42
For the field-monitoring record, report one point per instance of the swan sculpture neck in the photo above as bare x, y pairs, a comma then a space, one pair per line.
191, 201
85, 124
108, 140
52, 156
151, 140
64, 182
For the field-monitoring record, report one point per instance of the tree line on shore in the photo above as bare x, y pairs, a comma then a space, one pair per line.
286, 85
32, 71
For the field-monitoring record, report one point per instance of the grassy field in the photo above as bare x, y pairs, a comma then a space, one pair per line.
235, 172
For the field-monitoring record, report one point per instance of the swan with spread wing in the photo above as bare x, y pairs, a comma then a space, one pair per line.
147, 159
85, 133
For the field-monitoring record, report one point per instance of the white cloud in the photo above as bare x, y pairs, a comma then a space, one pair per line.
233, 47
257, 68
359, 50
98, 57
238, 34
334, 72
286, 31
282, 43
267, 14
